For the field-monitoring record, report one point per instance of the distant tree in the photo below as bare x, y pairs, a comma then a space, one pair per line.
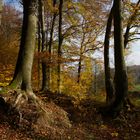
49, 46
60, 41
46, 66
81, 54
41, 19
80, 38
10, 27
1, 4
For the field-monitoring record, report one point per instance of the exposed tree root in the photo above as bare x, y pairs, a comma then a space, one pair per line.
128, 104
113, 109
27, 111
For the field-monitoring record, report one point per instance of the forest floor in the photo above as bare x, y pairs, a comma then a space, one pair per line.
86, 122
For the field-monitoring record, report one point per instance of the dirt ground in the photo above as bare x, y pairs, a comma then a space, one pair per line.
86, 123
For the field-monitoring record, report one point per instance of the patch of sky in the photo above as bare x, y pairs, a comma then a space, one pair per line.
15, 3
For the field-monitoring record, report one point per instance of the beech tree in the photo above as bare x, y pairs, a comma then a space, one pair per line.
42, 27
121, 82
23, 70
108, 80
132, 19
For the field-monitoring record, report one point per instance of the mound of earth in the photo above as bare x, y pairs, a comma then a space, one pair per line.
30, 120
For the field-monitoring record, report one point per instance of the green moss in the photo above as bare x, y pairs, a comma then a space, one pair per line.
3, 90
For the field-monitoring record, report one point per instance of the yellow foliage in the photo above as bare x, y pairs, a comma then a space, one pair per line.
103, 126
69, 5
3, 84
2, 76
114, 134
51, 7
8, 78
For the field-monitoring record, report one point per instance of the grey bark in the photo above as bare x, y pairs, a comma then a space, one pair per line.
23, 71
43, 44
39, 50
108, 80
121, 81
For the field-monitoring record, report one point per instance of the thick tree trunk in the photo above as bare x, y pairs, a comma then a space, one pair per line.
26, 53
29, 45
17, 78
121, 81
59, 46
108, 81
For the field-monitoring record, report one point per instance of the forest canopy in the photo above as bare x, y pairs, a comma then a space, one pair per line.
57, 54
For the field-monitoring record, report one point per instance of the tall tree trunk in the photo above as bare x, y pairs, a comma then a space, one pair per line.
39, 50
80, 59
121, 81
59, 46
1, 5
42, 23
43, 48
50, 46
108, 81
52, 27
39, 36
27, 46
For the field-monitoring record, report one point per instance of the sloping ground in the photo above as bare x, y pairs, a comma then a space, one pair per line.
29, 121
88, 124
24, 123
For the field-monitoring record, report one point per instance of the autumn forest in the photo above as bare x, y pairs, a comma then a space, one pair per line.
64, 72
